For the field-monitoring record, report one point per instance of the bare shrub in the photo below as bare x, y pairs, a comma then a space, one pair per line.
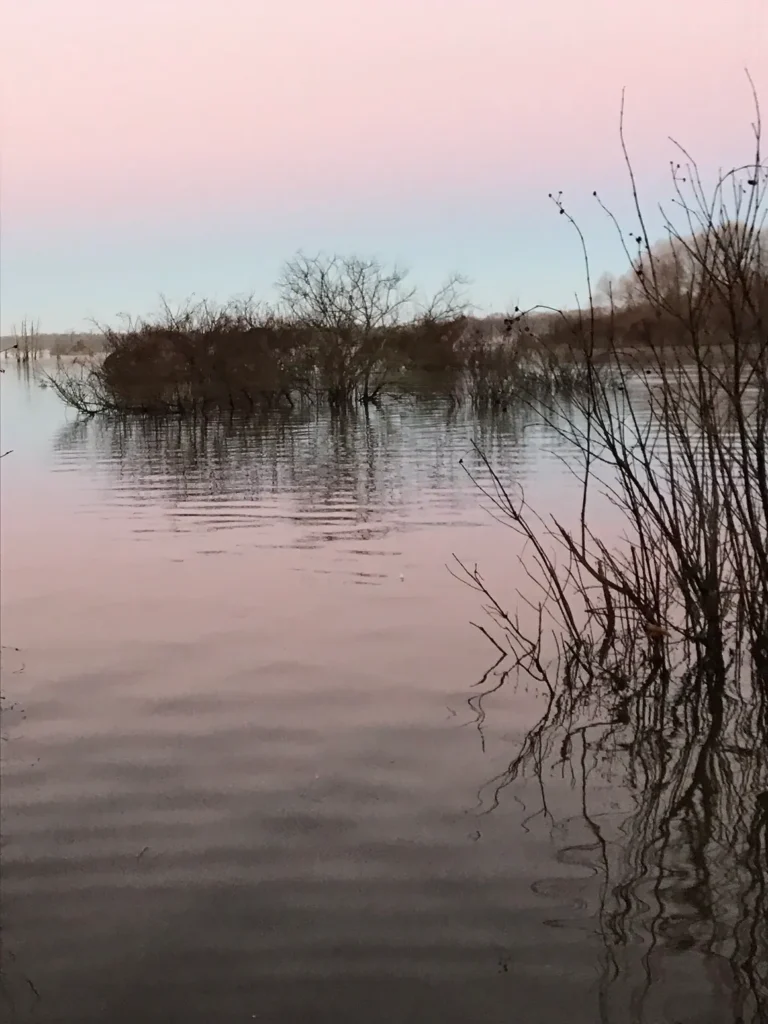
198, 358
681, 454
348, 332
518, 364
652, 652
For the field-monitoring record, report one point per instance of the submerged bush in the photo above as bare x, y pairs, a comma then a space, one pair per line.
651, 652
680, 451
347, 332
206, 358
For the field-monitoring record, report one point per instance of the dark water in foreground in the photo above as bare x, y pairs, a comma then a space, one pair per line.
241, 777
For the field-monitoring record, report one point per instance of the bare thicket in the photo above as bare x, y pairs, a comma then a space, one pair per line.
516, 366
674, 435
651, 650
347, 331
198, 357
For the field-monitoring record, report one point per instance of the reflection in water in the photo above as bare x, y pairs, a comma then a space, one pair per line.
345, 477
241, 788
310, 450
683, 865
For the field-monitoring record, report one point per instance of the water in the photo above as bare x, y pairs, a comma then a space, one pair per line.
241, 776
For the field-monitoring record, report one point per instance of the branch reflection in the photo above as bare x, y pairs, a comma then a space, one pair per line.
672, 776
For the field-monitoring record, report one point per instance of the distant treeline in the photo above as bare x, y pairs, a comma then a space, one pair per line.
34, 344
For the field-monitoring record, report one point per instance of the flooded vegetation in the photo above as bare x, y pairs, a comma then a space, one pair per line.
256, 762
348, 332
651, 653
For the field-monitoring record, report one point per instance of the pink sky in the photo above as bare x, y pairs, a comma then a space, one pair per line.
162, 117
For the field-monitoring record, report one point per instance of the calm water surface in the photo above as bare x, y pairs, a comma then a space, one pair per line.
241, 777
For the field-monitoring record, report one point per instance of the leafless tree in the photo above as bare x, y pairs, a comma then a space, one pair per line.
357, 309
27, 346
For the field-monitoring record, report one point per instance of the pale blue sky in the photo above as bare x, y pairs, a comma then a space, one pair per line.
181, 146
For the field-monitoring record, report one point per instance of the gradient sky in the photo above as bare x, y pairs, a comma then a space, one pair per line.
189, 146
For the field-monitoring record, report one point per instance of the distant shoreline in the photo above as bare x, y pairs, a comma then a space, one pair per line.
58, 343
